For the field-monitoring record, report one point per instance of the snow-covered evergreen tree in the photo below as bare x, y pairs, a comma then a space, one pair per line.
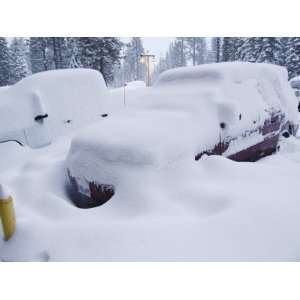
292, 56
4, 62
238, 43
271, 51
133, 67
216, 48
59, 50
181, 49
73, 59
100, 54
229, 48
251, 49
177, 53
17, 60
40, 56
262, 49
196, 49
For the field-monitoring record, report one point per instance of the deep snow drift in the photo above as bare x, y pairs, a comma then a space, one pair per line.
213, 209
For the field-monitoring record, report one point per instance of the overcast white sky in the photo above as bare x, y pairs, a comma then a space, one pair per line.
156, 45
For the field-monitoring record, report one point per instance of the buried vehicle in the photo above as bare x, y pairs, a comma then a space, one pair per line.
238, 110
45, 105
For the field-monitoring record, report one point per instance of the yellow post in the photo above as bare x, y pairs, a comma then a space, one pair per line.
7, 214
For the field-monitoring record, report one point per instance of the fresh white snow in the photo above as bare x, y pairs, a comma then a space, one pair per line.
179, 118
71, 98
167, 206
215, 209
4, 194
247, 84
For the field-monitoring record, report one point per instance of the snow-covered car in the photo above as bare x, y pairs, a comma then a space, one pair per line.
238, 110
49, 104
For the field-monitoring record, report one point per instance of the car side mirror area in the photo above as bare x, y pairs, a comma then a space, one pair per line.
40, 118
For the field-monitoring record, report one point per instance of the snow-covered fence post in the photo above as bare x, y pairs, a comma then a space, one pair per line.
7, 214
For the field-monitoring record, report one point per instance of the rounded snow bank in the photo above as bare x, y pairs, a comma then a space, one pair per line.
130, 141
242, 82
136, 84
72, 98
233, 71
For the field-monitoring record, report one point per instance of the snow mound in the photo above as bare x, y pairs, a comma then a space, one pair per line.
136, 84
213, 210
249, 84
106, 151
71, 98
173, 122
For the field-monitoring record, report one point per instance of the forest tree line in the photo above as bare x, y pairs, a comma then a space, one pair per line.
183, 51
25, 56
120, 62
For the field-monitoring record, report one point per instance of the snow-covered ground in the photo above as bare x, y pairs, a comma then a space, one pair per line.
213, 209
219, 210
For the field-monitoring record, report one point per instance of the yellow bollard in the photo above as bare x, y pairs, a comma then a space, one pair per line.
7, 214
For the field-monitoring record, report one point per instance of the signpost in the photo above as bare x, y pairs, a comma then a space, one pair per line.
147, 59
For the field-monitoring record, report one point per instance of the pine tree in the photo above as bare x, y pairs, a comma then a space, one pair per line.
292, 56
111, 54
196, 49
40, 56
72, 53
100, 54
191, 48
251, 49
228, 48
59, 49
271, 51
180, 44
216, 48
133, 68
262, 49
26, 42
4, 62
177, 53
17, 60
237, 45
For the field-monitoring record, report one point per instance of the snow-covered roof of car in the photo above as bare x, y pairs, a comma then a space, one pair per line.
234, 71
69, 94
242, 82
